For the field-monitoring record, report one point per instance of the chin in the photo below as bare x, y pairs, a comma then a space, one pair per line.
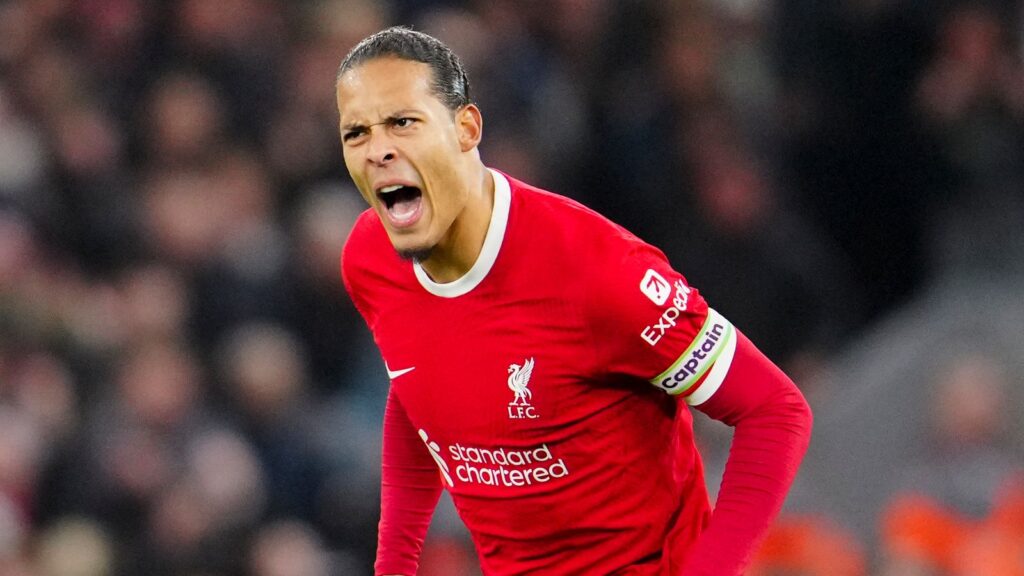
410, 245
415, 244
415, 254
414, 251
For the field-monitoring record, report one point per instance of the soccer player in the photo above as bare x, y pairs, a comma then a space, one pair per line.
541, 357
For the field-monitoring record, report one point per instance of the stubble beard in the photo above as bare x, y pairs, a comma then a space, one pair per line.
416, 255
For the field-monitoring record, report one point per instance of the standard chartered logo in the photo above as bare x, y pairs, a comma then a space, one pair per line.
435, 453
501, 467
498, 466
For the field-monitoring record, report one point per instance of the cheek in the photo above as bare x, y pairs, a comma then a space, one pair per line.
351, 164
351, 158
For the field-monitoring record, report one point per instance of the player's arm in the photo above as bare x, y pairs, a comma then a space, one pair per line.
772, 428
410, 488
722, 373
651, 321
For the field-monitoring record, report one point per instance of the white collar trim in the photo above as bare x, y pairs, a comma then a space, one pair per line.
488, 253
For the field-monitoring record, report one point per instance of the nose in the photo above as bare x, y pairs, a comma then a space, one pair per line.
381, 150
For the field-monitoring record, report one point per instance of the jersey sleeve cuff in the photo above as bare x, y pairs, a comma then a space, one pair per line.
702, 367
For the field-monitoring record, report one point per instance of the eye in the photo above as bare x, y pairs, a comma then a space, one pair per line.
403, 122
351, 135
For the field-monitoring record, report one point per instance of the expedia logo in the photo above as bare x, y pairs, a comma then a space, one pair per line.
655, 287
680, 301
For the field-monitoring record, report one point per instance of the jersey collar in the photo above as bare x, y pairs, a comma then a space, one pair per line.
488, 254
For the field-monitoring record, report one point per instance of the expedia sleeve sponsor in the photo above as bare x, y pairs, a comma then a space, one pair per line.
653, 333
699, 371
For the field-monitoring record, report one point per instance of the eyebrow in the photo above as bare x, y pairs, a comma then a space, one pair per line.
350, 126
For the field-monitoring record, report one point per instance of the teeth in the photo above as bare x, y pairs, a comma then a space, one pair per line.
387, 189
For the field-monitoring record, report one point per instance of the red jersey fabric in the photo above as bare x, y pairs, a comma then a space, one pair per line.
534, 388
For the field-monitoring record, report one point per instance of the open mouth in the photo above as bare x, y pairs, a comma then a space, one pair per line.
402, 203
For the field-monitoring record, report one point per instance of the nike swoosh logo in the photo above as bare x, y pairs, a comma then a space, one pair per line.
392, 374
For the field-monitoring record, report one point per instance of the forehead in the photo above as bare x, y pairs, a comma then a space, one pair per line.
382, 85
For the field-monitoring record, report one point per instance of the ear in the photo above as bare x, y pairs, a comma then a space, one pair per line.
469, 124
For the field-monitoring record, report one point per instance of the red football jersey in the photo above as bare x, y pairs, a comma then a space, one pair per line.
535, 386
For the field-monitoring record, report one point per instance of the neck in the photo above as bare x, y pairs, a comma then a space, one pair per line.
456, 254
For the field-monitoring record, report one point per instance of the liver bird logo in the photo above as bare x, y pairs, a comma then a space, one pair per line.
518, 382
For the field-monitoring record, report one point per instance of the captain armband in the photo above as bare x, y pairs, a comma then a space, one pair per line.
700, 370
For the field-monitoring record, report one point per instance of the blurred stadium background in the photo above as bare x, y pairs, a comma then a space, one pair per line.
185, 389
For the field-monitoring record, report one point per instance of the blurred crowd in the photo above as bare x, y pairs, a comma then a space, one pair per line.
185, 389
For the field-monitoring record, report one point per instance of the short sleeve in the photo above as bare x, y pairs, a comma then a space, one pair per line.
650, 324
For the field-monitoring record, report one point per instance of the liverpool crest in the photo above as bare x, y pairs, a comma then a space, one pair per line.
519, 384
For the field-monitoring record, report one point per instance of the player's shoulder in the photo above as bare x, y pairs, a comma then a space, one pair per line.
563, 219
592, 244
365, 239
368, 261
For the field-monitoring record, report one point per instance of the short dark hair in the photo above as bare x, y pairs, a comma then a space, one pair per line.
450, 83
